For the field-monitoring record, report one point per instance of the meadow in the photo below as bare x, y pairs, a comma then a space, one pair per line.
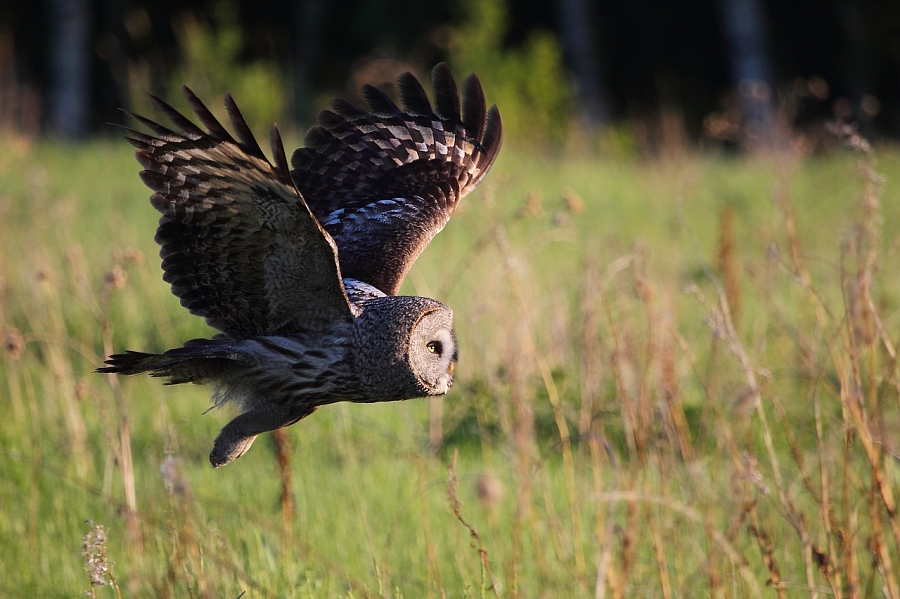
678, 377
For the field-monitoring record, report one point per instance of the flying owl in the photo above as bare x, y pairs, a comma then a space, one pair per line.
299, 267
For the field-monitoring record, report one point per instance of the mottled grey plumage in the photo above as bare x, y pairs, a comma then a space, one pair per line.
298, 268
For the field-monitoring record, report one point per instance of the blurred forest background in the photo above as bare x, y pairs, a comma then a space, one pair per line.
734, 71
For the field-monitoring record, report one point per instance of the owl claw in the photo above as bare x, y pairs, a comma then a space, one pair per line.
237, 436
226, 449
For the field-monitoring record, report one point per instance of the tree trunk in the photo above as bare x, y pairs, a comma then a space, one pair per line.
745, 33
579, 38
69, 30
309, 16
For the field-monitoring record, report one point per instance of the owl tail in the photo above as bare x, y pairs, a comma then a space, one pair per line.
198, 360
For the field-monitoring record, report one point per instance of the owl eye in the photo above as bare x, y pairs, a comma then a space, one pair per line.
435, 347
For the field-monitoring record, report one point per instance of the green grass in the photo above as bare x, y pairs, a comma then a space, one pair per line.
605, 430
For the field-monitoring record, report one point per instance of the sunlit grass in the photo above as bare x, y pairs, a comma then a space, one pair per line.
618, 431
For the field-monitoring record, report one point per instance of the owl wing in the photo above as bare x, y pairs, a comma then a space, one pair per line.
239, 244
383, 183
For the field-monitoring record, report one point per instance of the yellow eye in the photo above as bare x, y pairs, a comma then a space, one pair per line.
434, 347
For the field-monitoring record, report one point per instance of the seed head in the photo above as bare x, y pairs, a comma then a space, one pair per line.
13, 343
93, 550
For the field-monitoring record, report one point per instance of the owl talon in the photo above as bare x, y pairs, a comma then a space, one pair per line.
226, 450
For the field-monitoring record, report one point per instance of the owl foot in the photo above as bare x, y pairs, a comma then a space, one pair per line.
226, 449
237, 436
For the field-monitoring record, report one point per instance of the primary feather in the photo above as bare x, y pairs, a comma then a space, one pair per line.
238, 243
383, 183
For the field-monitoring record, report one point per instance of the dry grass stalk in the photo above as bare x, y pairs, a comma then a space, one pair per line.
854, 359
659, 553
716, 588
852, 409
525, 443
645, 412
456, 506
592, 357
674, 408
435, 424
591, 364
626, 400
124, 458
728, 264
562, 544
568, 463
13, 346
718, 541
47, 316
627, 553
283, 460
767, 549
522, 417
881, 555
605, 525
794, 516
824, 559
434, 579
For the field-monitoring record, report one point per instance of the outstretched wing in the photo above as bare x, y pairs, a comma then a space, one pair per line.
384, 183
239, 245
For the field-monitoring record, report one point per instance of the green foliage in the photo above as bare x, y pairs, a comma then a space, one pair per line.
211, 66
527, 82
603, 414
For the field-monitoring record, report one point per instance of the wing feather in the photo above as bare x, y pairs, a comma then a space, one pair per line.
383, 182
216, 130
473, 109
243, 130
188, 129
446, 96
378, 102
281, 163
238, 243
413, 95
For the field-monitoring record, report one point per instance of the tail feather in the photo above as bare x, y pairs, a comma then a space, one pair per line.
198, 360
133, 362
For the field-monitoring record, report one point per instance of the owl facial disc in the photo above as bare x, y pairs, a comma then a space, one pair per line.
433, 352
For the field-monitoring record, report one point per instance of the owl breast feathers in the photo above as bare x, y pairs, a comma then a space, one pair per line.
298, 266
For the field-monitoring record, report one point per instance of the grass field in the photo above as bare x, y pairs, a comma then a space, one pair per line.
678, 378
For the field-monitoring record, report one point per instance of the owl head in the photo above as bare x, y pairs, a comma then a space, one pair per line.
405, 347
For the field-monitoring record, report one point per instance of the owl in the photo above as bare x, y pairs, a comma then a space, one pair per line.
298, 266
